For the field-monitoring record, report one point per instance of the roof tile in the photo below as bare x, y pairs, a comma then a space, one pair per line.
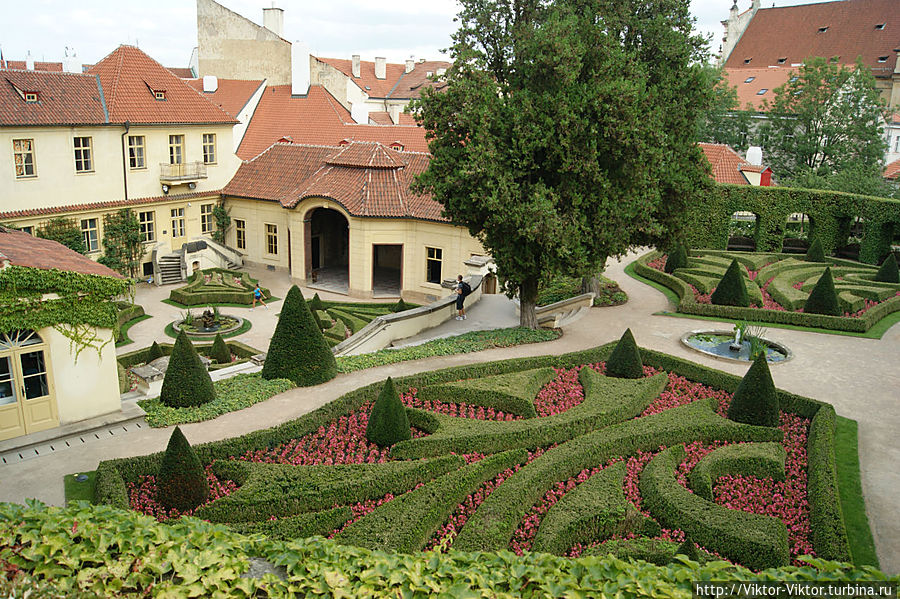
63, 99
21, 249
231, 95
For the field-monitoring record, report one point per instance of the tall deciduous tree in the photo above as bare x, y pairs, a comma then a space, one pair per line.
566, 132
824, 122
122, 242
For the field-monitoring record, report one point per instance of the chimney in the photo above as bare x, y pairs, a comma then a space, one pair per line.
355, 70
273, 19
70, 61
754, 155
755, 5
380, 67
299, 69
29, 61
410, 65
210, 83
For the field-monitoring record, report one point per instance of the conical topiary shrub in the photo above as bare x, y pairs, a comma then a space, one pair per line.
888, 273
400, 306
316, 303
388, 422
625, 360
187, 382
155, 352
676, 259
297, 350
219, 351
731, 290
688, 549
181, 483
815, 253
755, 401
823, 299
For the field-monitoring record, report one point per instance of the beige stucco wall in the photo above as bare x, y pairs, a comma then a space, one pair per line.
343, 88
88, 387
233, 47
414, 235
57, 183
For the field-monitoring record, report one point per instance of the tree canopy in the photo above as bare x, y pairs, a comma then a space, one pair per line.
824, 128
566, 132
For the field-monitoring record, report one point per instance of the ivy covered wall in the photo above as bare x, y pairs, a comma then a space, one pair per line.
831, 214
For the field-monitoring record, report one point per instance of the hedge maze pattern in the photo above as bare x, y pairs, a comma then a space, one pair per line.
778, 286
629, 466
340, 320
217, 286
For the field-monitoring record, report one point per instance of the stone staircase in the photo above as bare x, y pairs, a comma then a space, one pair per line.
170, 269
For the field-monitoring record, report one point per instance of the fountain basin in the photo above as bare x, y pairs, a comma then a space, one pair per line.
717, 344
224, 325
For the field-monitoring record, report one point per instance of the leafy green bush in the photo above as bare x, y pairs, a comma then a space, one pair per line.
755, 401
408, 522
232, 394
625, 361
187, 382
888, 273
594, 510
181, 483
388, 423
754, 459
297, 350
678, 258
220, 352
513, 393
823, 298
731, 290
269, 490
755, 541
191, 557
815, 253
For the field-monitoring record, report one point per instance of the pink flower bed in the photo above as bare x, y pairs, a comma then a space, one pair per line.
142, 496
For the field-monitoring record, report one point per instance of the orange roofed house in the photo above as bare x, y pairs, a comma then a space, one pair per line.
38, 361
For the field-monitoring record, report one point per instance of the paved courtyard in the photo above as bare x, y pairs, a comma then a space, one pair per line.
860, 377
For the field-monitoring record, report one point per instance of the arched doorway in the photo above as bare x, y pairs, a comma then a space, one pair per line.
27, 402
798, 233
328, 251
742, 233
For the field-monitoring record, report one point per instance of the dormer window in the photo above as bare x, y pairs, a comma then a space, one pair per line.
344, 142
397, 146
880, 26
159, 94
782, 60
31, 97
762, 91
747, 60
882, 59
823, 29
749, 79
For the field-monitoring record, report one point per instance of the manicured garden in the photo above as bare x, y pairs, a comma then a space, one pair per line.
816, 292
217, 286
551, 454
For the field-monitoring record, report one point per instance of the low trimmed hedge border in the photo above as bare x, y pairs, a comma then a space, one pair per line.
112, 475
688, 305
194, 293
755, 459
513, 393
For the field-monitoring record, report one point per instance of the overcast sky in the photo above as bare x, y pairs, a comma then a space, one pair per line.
167, 29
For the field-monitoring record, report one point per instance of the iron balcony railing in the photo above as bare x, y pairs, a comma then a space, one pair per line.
186, 171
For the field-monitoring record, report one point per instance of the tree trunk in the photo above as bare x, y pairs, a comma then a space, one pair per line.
527, 300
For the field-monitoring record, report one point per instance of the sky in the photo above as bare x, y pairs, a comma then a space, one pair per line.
167, 29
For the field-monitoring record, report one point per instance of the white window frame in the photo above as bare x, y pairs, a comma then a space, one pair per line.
176, 148
137, 152
240, 234
90, 231
438, 256
209, 148
207, 223
148, 225
177, 222
19, 150
84, 154
271, 239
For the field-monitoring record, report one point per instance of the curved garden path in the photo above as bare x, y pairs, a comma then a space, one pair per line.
860, 377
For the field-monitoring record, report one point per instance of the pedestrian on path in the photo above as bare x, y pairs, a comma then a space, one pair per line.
463, 289
258, 295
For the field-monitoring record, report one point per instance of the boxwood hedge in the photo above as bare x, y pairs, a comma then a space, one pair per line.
753, 459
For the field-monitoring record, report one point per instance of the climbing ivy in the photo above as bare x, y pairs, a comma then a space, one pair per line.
123, 245
223, 221
831, 214
73, 303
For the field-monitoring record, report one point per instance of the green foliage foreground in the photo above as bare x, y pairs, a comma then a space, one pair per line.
103, 551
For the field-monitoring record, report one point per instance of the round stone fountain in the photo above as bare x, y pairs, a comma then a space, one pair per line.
727, 345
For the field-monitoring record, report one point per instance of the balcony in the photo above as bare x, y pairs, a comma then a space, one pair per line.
186, 172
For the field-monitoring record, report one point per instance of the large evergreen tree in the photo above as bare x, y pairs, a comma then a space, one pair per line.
566, 132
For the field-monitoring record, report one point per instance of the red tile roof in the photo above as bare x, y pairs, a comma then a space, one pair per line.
63, 99
182, 72
21, 249
397, 82
726, 164
793, 33
130, 79
892, 171
316, 118
761, 79
231, 95
367, 179
38, 66
55, 210
411, 84
384, 118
